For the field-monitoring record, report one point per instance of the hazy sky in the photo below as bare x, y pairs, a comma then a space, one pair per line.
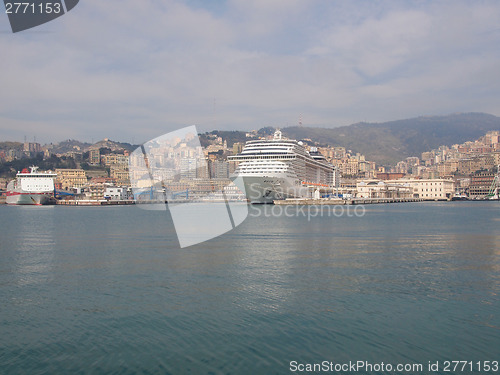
133, 70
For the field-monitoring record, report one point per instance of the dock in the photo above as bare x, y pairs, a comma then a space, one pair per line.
344, 202
88, 202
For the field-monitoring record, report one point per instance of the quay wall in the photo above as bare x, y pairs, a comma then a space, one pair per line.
345, 202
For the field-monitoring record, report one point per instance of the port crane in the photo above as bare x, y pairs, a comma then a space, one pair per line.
495, 185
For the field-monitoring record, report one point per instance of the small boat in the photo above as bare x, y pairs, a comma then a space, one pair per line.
460, 197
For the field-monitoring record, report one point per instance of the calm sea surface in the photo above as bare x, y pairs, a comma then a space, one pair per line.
107, 290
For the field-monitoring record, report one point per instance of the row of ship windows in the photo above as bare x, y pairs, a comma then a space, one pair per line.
275, 156
260, 169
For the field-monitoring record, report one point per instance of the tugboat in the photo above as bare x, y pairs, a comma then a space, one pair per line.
459, 196
31, 188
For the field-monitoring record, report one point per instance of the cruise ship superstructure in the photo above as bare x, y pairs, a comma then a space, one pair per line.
281, 168
31, 188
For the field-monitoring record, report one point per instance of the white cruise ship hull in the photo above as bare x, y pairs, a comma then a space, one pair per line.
264, 190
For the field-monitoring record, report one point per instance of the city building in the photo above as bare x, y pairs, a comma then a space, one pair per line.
219, 169
95, 156
374, 188
431, 189
71, 178
115, 159
389, 175
480, 183
115, 193
120, 174
31, 148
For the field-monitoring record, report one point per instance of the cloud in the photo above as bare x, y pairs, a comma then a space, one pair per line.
125, 70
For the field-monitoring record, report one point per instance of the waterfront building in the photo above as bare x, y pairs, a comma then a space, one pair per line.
71, 178
115, 193
95, 192
97, 187
430, 189
373, 188
480, 183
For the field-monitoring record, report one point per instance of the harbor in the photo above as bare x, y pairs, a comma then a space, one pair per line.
117, 293
250, 187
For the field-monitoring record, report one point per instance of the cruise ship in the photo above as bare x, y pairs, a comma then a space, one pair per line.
31, 188
281, 168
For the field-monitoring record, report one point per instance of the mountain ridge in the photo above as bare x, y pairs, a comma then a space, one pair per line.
392, 141
386, 143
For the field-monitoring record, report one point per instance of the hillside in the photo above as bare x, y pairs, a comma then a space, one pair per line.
112, 145
390, 142
68, 146
77, 146
11, 145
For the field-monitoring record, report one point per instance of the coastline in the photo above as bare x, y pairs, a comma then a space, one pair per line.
285, 202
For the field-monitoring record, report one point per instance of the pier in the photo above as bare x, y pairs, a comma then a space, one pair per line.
83, 202
345, 202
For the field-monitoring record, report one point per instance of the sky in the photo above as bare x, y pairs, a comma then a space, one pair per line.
134, 70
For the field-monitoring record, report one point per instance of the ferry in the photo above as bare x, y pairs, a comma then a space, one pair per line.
281, 168
31, 188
